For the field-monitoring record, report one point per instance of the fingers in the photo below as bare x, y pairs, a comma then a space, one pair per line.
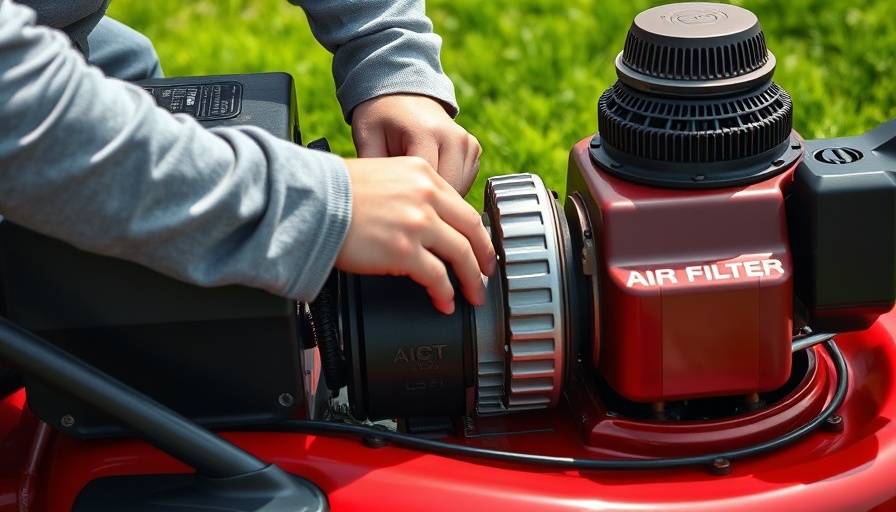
427, 149
455, 156
461, 240
454, 248
430, 272
371, 143
406, 220
459, 164
415, 125
470, 166
466, 221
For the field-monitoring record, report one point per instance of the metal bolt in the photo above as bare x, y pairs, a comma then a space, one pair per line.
778, 163
658, 411
720, 467
754, 402
699, 177
286, 399
67, 421
834, 423
374, 440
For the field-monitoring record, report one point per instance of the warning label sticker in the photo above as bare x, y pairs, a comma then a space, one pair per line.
219, 100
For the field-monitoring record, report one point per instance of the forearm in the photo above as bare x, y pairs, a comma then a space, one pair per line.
92, 161
380, 48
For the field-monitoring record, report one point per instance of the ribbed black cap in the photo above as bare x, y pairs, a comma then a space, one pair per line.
671, 47
694, 105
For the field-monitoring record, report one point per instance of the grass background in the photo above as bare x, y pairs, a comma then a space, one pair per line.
528, 73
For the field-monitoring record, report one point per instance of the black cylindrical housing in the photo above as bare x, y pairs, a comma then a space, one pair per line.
406, 359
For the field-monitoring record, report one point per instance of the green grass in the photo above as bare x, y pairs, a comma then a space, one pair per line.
528, 73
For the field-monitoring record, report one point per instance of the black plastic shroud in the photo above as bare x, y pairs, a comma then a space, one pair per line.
151, 331
842, 222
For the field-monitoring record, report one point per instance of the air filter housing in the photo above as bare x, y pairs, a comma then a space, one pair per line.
695, 106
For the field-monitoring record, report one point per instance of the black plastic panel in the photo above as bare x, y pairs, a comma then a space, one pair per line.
221, 356
842, 220
266, 100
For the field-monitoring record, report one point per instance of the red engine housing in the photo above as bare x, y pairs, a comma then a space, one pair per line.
696, 286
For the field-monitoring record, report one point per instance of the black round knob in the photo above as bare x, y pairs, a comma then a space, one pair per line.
695, 47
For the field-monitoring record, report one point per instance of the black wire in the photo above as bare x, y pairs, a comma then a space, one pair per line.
408, 441
324, 312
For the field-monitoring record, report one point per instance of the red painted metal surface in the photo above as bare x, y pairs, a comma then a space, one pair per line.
694, 285
850, 470
634, 437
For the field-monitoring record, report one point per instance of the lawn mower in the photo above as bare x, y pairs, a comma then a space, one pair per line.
703, 322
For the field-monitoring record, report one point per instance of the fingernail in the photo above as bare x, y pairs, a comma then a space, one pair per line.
482, 290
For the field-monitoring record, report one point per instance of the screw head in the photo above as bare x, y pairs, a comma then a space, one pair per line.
373, 440
67, 421
286, 399
834, 423
720, 467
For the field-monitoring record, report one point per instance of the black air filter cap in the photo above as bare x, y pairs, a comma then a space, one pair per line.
695, 47
695, 106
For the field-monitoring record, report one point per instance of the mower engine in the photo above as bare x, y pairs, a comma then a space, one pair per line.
695, 246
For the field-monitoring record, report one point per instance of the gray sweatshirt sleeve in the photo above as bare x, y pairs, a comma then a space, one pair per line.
92, 160
380, 47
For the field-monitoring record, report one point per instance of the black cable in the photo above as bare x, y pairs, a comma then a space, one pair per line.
324, 314
408, 441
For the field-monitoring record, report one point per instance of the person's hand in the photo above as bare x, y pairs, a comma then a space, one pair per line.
406, 220
414, 125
